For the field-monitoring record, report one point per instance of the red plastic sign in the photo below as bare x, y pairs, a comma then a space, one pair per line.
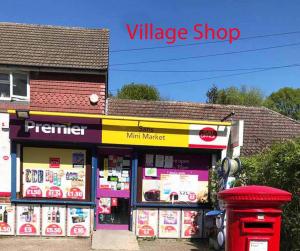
34, 191
208, 134
54, 192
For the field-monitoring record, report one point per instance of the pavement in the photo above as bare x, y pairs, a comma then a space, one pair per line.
85, 244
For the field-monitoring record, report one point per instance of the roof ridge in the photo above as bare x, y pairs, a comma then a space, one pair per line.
282, 115
53, 26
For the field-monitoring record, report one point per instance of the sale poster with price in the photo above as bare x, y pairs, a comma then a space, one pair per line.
191, 224
7, 219
28, 219
78, 221
54, 173
147, 222
53, 220
169, 223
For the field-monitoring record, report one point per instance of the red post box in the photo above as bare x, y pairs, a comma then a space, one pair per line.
253, 217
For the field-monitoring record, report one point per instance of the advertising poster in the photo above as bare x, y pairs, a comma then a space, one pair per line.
7, 219
53, 220
169, 223
147, 222
78, 221
191, 224
54, 173
28, 219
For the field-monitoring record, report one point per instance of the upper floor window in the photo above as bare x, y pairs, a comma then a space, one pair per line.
14, 86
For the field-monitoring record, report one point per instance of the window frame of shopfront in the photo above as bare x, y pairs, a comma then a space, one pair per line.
136, 184
91, 167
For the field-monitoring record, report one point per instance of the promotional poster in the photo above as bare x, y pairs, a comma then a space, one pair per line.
78, 221
169, 223
7, 219
28, 219
147, 222
191, 223
53, 220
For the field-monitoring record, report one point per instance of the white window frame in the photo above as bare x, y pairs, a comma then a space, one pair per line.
11, 85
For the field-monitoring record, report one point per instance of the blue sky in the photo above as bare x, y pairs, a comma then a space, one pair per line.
252, 17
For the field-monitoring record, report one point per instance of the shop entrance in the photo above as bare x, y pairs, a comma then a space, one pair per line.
113, 189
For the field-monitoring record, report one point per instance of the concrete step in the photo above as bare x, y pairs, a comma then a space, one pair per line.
114, 240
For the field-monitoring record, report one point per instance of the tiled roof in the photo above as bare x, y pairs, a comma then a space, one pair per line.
261, 125
53, 46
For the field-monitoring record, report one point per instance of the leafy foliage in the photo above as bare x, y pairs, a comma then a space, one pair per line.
279, 166
235, 96
138, 92
285, 101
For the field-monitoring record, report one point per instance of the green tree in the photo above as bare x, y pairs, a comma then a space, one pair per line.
285, 101
138, 92
235, 96
279, 167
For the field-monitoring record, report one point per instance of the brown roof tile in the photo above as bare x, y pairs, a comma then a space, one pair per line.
262, 126
53, 46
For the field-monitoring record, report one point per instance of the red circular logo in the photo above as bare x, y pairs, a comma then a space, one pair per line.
192, 196
5, 157
208, 134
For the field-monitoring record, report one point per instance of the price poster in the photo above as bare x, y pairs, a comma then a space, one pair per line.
28, 219
54, 173
78, 221
191, 224
147, 222
169, 223
7, 219
53, 220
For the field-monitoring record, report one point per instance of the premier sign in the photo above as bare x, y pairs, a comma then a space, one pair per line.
54, 128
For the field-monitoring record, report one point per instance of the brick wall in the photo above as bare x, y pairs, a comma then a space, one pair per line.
58, 92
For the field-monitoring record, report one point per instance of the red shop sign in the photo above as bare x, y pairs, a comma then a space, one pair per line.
208, 134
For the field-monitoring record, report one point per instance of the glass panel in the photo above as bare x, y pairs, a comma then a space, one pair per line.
20, 84
113, 211
4, 90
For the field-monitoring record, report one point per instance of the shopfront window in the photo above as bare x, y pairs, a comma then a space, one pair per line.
55, 173
173, 178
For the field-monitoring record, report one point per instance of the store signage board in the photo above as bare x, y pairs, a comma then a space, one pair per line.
5, 161
53, 220
78, 221
28, 219
129, 132
56, 128
7, 219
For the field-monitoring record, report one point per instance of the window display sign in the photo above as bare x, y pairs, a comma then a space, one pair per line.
191, 224
7, 219
53, 220
78, 221
147, 222
28, 219
183, 178
169, 223
54, 173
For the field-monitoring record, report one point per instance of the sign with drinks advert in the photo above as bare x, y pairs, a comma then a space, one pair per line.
169, 223
147, 222
78, 221
160, 133
28, 219
56, 128
53, 220
5, 162
7, 219
54, 173
191, 224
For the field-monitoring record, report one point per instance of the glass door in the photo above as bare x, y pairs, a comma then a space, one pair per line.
113, 191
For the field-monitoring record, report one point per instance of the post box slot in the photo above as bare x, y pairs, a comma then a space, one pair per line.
258, 225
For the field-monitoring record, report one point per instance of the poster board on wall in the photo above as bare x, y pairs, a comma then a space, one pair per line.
7, 219
28, 219
147, 222
54, 173
53, 220
78, 221
5, 162
191, 223
169, 223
